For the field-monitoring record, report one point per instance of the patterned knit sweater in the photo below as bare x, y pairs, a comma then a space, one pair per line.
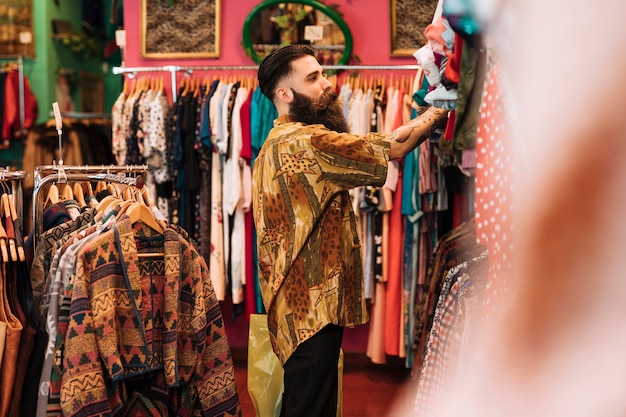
138, 321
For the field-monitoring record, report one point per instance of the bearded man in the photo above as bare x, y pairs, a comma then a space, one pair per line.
309, 254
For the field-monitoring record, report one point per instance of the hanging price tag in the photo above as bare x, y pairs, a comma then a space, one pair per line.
26, 38
313, 33
57, 116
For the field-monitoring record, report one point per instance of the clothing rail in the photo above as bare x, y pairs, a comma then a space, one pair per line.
83, 115
16, 178
173, 69
45, 174
5, 174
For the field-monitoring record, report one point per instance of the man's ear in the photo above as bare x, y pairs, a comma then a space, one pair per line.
284, 94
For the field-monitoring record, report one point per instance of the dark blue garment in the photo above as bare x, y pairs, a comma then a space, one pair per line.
133, 156
205, 130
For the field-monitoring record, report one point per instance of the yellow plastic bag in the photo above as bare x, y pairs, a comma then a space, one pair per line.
265, 373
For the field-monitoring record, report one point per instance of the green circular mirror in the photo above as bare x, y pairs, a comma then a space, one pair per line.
276, 23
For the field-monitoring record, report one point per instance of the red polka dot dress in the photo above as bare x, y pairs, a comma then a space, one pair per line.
494, 197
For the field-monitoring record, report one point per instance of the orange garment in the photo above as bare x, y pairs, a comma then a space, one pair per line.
393, 304
11, 124
375, 340
452, 69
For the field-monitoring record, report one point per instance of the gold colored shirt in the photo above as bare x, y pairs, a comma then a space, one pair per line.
310, 267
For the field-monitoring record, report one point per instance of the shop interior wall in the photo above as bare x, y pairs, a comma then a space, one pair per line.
51, 56
368, 20
369, 23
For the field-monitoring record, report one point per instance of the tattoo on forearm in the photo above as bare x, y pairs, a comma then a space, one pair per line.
424, 122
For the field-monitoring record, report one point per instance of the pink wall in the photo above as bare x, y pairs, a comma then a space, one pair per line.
368, 21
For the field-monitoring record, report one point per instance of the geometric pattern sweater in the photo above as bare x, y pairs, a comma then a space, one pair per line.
143, 325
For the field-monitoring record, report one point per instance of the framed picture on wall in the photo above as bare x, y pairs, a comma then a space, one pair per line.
91, 88
409, 19
172, 29
16, 29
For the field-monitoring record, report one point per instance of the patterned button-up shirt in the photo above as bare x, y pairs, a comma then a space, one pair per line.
309, 253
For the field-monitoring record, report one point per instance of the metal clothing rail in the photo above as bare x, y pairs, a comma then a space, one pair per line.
5, 174
16, 178
173, 69
45, 174
83, 115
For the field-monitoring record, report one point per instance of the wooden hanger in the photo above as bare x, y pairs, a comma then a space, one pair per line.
103, 207
417, 80
107, 202
6, 211
20, 248
101, 186
112, 188
144, 197
3, 244
67, 192
87, 188
88, 191
79, 195
185, 84
127, 194
53, 196
196, 87
139, 83
124, 206
133, 86
139, 212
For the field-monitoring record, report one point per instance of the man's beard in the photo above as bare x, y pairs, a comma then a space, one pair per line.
326, 110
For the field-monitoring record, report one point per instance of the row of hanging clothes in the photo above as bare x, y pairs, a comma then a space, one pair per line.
471, 263
199, 151
448, 314
402, 220
19, 323
193, 148
122, 316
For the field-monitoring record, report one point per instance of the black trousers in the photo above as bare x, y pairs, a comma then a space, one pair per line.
311, 376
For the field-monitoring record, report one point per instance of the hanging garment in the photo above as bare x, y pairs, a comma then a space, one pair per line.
494, 181
453, 248
12, 343
453, 323
11, 124
171, 325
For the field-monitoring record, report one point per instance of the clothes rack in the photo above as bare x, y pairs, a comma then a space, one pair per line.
62, 174
13, 239
16, 178
83, 115
173, 69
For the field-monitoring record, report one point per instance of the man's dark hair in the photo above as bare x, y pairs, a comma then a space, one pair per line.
277, 65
